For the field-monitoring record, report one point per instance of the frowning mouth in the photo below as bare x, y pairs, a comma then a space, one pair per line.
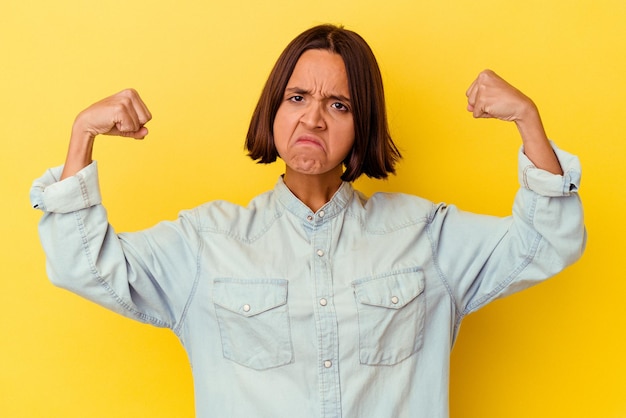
310, 141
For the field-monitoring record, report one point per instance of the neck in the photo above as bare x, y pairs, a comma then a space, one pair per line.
313, 190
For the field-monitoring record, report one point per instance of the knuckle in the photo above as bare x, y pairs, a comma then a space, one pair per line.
485, 75
120, 107
129, 93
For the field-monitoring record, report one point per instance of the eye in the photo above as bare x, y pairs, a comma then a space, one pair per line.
340, 106
296, 98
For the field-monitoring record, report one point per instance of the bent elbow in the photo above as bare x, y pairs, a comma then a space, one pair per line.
579, 244
571, 248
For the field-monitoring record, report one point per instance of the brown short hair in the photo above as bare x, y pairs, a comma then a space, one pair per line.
373, 153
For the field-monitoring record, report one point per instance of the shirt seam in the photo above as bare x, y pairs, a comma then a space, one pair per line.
510, 278
525, 176
194, 287
229, 231
395, 228
532, 250
462, 312
441, 274
83, 190
96, 274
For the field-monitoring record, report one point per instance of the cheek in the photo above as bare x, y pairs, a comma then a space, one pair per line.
276, 127
281, 124
281, 131
348, 135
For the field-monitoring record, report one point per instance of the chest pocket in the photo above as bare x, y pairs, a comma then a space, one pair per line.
391, 310
254, 321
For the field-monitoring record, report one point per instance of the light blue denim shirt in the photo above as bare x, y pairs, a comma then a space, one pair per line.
351, 311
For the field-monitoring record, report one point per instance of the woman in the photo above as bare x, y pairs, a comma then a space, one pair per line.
315, 300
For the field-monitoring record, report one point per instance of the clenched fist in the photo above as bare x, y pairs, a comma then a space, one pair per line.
490, 96
123, 114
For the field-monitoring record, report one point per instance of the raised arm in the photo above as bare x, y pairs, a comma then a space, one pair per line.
148, 275
489, 96
123, 114
482, 258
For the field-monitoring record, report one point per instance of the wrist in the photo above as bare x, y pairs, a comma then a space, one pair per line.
79, 153
530, 126
528, 114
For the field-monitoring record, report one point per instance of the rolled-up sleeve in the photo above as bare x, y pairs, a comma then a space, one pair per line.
547, 184
71, 194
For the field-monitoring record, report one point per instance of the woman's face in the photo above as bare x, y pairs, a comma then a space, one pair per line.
314, 126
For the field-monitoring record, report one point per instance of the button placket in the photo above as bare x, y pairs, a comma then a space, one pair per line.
325, 314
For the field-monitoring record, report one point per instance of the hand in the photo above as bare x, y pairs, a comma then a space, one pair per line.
123, 114
490, 96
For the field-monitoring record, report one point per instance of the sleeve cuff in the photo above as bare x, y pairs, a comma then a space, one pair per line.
547, 184
71, 194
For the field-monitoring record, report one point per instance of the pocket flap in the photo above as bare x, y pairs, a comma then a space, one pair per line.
249, 297
392, 291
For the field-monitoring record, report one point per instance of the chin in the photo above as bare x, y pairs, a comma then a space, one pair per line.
306, 166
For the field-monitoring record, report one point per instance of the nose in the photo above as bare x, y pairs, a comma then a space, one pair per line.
313, 116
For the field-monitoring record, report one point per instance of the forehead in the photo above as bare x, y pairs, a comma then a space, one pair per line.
321, 69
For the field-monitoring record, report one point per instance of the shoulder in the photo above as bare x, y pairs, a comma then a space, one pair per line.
245, 223
391, 211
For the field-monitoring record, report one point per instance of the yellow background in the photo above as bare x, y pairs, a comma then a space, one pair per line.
556, 350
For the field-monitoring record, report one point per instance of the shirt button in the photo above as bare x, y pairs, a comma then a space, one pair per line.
320, 253
322, 213
328, 364
394, 299
323, 302
309, 218
246, 308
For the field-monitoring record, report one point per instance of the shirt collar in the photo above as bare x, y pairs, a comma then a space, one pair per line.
336, 205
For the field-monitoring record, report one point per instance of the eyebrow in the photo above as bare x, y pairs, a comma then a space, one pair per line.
300, 90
